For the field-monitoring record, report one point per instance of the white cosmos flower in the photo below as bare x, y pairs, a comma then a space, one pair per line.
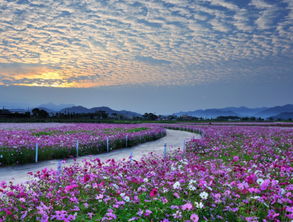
176, 185
173, 168
165, 190
198, 205
260, 181
115, 186
191, 187
192, 181
126, 198
257, 172
204, 195
184, 162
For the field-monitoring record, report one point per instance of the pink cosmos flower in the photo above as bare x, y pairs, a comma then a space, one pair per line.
187, 206
176, 195
289, 209
148, 213
272, 214
140, 212
235, 158
153, 192
265, 184
194, 218
70, 187
90, 215
86, 178
251, 179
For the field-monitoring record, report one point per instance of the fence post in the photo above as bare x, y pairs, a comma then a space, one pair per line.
184, 149
165, 150
184, 146
59, 168
126, 138
77, 146
108, 150
37, 152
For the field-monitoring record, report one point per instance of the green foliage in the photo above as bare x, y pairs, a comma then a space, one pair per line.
136, 130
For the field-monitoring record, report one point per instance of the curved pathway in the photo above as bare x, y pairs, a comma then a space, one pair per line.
174, 139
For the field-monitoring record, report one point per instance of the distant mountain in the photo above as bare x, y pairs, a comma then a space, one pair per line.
274, 111
75, 109
129, 113
13, 105
19, 110
103, 108
244, 111
109, 111
263, 112
53, 107
283, 116
208, 113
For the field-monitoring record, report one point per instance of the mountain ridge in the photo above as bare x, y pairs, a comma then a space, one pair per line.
262, 112
108, 110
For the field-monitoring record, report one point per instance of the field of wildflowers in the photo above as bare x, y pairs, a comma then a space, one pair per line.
234, 173
18, 143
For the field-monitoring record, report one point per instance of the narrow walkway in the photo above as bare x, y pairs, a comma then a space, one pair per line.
173, 139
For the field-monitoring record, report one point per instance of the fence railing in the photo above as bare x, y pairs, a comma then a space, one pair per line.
38, 152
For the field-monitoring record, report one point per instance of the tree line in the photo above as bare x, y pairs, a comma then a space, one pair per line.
37, 114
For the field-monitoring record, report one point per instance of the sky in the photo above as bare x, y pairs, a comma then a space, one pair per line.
157, 56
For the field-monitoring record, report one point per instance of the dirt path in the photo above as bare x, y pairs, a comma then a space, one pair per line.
173, 139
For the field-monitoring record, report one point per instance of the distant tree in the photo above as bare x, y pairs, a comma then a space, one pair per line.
101, 115
225, 118
187, 118
5, 111
40, 113
171, 117
150, 116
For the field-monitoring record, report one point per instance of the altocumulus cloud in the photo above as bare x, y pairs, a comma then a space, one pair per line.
166, 42
152, 61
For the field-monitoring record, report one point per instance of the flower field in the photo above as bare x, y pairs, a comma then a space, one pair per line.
234, 173
18, 143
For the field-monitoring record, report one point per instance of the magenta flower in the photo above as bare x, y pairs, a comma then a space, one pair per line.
176, 195
194, 218
272, 215
86, 178
70, 187
147, 213
153, 192
265, 184
235, 158
187, 206
251, 179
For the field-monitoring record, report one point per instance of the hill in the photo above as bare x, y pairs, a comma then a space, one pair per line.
109, 111
263, 112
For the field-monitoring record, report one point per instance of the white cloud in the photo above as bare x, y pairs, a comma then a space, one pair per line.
267, 14
101, 39
260, 4
224, 4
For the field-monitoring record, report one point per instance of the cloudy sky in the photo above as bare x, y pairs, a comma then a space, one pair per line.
152, 55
